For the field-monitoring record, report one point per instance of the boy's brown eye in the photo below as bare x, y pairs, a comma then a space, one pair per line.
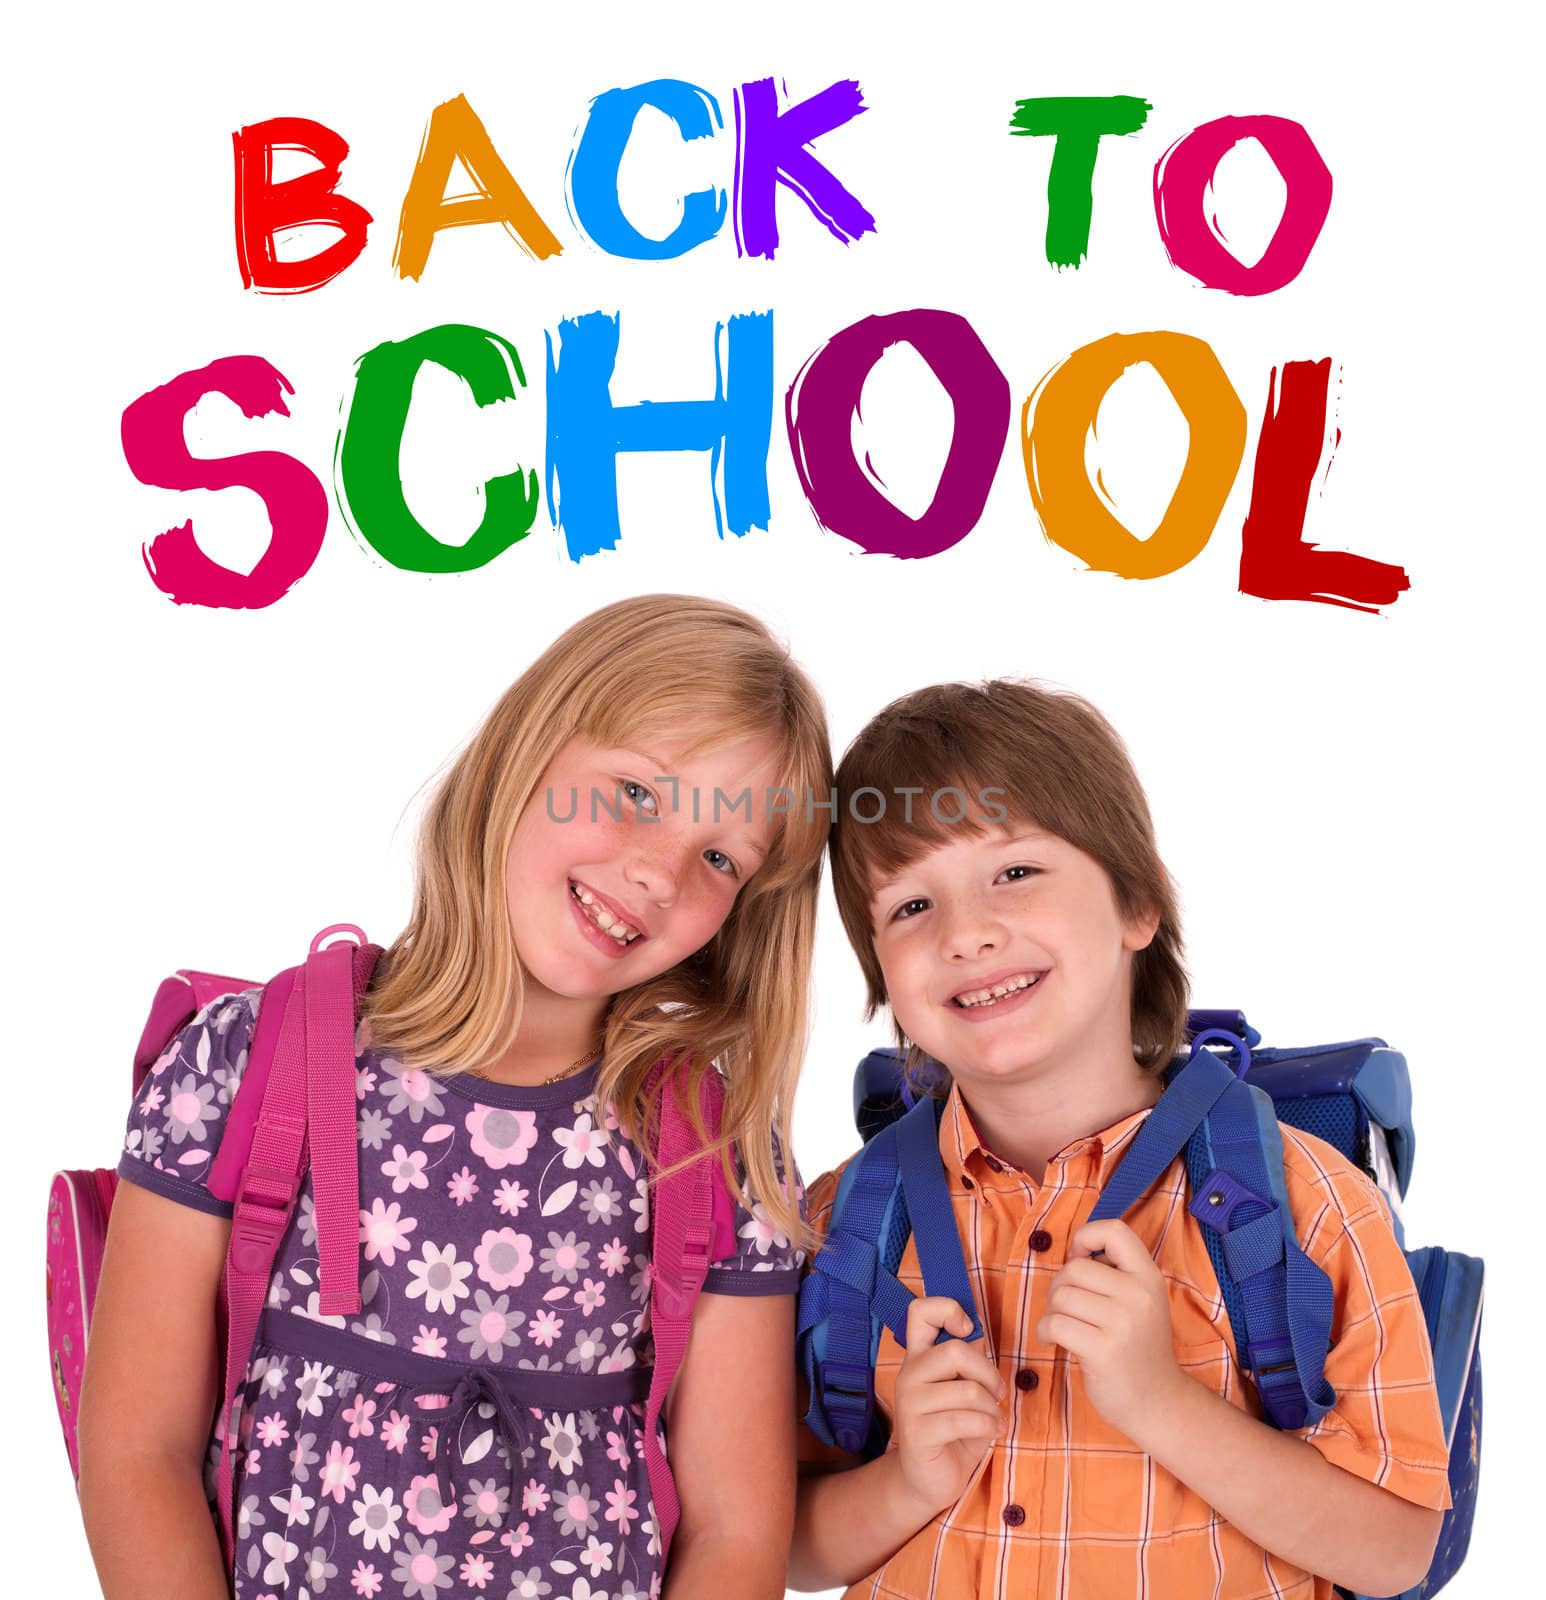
910, 908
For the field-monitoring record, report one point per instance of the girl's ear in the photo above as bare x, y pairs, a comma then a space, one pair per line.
1138, 930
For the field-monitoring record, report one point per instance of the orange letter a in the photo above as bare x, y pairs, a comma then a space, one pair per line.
455, 131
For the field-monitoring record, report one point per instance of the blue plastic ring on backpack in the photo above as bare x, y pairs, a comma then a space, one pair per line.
1225, 1037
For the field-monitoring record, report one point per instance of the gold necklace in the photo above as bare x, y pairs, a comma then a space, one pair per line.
571, 1069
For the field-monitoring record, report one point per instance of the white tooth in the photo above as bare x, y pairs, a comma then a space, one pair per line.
603, 917
586, 896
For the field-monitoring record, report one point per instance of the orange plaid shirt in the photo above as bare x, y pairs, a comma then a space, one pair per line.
1067, 1507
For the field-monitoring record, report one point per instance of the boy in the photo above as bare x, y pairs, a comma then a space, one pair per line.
1102, 1439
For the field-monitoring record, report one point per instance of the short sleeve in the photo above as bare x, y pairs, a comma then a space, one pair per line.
179, 1114
1385, 1426
766, 1261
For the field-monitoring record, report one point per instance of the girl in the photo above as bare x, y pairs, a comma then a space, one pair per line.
596, 890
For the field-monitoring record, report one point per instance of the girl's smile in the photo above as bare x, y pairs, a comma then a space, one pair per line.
604, 922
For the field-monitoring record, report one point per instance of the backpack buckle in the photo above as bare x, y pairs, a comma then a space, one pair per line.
1276, 1377
1267, 1358
848, 1398
264, 1201
675, 1295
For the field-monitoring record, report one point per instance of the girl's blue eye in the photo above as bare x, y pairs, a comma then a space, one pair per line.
723, 863
906, 909
640, 796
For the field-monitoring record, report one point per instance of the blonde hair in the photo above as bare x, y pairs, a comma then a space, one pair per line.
1057, 764
450, 997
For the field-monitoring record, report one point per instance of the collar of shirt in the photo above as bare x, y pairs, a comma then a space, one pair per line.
972, 1166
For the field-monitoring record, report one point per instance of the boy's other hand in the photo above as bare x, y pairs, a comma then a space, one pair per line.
1113, 1316
948, 1405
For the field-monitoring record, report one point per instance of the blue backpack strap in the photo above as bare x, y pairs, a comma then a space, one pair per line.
1192, 1094
895, 1186
933, 1218
1280, 1302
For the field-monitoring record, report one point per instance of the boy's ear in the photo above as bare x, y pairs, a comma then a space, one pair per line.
1140, 929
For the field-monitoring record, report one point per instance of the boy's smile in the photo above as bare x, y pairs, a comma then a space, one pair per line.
997, 993
1006, 958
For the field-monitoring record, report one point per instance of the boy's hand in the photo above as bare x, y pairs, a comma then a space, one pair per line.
948, 1405
1113, 1315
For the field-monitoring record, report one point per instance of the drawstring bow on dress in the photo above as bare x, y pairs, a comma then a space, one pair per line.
474, 1389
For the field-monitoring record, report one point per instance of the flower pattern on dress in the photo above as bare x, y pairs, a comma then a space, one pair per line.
500, 1229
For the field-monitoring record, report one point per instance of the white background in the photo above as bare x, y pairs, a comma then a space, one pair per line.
1343, 798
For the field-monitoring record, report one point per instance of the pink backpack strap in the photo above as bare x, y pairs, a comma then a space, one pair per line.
290, 1056
265, 1199
693, 1224
330, 1120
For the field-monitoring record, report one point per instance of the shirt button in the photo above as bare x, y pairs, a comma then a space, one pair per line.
1040, 1240
1014, 1515
966, 1182
1026, 1379
993, 1164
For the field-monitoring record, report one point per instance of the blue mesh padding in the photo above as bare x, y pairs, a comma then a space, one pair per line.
1336, 1118
899, 1229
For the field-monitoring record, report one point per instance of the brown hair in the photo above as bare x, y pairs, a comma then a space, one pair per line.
451, 996
1020, 752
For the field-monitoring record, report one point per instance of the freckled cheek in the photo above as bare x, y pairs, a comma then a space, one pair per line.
583, 839
904, 984
614, 832
704, 906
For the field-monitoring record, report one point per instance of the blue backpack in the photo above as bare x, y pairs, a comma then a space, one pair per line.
1223, 1118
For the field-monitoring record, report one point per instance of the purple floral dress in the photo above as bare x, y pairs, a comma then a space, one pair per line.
478, 1428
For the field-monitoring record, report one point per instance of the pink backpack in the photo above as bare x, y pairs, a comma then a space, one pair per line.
295, 1111
79, 1203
